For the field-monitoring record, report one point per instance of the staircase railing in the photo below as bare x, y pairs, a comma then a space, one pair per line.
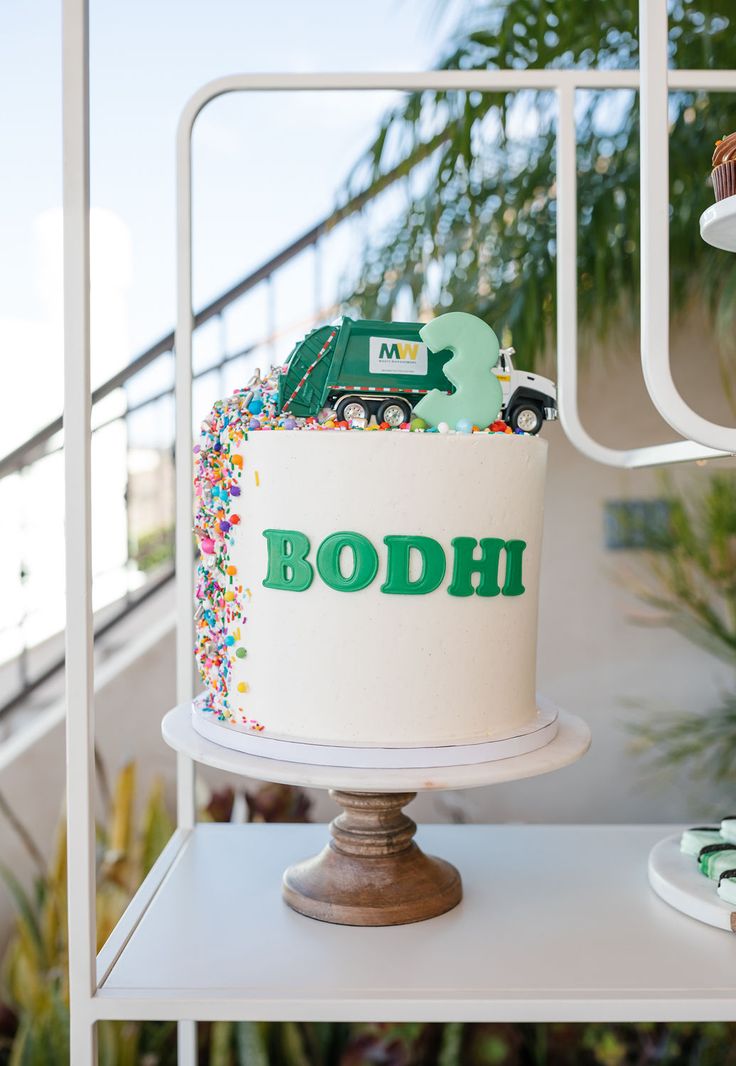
48, 440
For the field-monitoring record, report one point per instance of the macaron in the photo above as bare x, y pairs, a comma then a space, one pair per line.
698, 837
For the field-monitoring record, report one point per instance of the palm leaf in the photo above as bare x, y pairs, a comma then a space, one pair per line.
157, 827
221, 1040
27, 917
251, 1043
481, 221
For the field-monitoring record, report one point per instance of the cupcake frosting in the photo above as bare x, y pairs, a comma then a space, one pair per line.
725, 150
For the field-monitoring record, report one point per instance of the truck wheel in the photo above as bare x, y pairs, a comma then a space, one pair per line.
395, 412
353, 407
527, 416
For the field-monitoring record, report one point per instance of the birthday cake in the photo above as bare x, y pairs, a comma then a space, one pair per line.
369, 564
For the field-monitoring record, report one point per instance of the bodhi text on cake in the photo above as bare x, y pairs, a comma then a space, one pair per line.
290, 570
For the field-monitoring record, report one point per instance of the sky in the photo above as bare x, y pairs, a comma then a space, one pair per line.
265, 167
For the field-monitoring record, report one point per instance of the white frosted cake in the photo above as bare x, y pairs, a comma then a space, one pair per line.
362, 587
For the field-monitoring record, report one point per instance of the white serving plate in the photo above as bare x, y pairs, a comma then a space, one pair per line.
675, 877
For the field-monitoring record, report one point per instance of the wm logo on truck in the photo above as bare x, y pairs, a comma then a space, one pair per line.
387, 355
398, 350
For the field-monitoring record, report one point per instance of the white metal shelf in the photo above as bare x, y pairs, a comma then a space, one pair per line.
557, 923
718, 224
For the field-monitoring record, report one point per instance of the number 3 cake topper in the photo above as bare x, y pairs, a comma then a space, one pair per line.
474, 346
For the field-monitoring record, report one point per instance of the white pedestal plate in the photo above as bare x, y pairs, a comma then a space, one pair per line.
372, 872
718, 224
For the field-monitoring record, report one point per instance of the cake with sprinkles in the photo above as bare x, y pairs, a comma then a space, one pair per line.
369, 521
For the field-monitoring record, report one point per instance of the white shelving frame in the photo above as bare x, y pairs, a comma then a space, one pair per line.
701, 438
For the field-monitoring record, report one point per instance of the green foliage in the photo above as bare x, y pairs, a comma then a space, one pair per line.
475, 231
690, 580
457, 1044
151, 550
692, 569
35, 964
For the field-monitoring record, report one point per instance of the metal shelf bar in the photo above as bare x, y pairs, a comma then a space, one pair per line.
655, 238
567, 320
77, 491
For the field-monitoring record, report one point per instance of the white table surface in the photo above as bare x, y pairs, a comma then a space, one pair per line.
557, 923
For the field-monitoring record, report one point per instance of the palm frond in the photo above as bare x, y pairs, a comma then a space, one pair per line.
477, 231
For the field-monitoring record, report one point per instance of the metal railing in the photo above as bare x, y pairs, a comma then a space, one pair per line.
48, 441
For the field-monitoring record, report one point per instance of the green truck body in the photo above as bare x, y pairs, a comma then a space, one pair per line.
381, 365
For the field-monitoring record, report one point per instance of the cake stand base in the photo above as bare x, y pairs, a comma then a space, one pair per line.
372, 872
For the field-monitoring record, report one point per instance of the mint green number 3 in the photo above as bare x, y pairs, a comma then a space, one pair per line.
474, 346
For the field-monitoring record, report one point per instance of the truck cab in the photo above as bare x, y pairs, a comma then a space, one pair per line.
528, 399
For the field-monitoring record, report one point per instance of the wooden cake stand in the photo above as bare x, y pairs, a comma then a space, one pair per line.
372, 872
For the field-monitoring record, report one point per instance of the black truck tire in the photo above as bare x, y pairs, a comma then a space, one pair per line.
352, 404
388, 412
527, 416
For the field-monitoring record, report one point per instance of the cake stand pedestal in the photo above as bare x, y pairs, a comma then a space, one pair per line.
372, 872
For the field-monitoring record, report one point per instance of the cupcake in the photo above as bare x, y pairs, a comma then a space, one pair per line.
724, 167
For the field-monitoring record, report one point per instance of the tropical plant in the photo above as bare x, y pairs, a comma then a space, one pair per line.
688, 577
475, 229
152, 549
35, 964
34, 1002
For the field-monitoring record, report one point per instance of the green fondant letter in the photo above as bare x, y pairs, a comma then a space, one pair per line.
288, 568
365, 561
398, 581
513, 586
465, 565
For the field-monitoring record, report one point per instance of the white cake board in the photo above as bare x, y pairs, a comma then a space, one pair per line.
676, 879
570, 743
539, 733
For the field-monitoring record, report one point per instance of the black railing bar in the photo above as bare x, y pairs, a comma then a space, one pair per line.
213, 369
58, 663
134, 408
16, 459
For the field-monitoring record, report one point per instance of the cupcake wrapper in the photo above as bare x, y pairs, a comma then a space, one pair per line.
724, 180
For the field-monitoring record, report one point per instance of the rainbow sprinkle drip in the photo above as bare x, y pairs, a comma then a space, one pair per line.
219, 613
220, 597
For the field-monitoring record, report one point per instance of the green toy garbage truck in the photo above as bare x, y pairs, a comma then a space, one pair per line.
365, 368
